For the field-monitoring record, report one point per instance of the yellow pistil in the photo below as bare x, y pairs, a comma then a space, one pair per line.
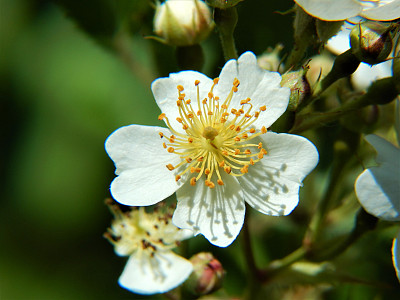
216, 138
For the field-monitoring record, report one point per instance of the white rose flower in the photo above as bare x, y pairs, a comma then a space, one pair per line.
216, 153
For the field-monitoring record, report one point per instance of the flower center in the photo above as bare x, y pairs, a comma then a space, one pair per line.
216, 139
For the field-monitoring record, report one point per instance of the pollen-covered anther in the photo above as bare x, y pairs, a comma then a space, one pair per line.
245, 169
170, 167
209, 183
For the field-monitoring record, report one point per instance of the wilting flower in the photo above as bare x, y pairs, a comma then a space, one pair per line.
336, 10
378, 188
216, 152
148, 240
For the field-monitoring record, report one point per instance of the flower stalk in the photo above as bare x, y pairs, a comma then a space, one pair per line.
226, 20
382, 91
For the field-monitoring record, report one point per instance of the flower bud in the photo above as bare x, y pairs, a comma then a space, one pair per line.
299, 87
207, 274
183, 23
371, 42
270, 60
224, 4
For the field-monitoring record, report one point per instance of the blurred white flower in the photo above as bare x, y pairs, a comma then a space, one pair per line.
378, 188
365, 73
336, 10
216, 153
148, 240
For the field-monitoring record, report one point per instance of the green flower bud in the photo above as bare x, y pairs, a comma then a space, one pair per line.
182, 23
371, 42
223, 3
207, 274
299, 87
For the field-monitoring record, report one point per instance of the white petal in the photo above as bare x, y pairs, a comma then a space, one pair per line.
331, 10
216, 213
396, 255
341, 41
378, 188
366, 74
386, 12
272, 185
150, 275
261, 86
166, 93
140, 161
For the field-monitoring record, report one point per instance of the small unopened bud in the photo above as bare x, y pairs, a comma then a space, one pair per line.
270, 60
223, 3
371, 42
299, 87
183, 22
207, 274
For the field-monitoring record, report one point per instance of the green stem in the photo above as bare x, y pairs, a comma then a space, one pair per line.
253, 271
382, 91
279, 265
226, 20
364, 222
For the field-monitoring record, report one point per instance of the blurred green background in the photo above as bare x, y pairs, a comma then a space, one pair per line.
71, 72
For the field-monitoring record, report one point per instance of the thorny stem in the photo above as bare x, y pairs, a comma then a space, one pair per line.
226, 20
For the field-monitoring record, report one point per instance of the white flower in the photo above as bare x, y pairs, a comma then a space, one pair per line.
336, 10
148, 238
378, 188
216, 153
365, 73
